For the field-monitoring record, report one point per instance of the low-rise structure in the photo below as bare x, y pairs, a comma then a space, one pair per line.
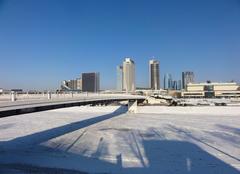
211, 90
71, 85
4, 91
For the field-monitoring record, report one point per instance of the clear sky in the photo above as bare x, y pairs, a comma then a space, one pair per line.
45, 41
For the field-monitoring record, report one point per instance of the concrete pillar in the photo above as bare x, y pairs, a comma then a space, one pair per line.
13, 96
49, 95
132, 106
72, 94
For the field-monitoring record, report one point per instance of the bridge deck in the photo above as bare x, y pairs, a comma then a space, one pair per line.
27, 106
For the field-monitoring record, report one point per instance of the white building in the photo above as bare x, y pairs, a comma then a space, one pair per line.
129, 75
210, 90
79, 84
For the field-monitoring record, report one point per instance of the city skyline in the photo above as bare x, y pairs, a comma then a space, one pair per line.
44, 42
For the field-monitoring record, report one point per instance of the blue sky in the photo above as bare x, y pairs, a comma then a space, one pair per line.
45, 41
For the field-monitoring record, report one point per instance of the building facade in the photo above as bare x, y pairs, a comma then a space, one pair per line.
167, 81
129, 75
154, 80
73, 84
79, 84
187, 77
90, 82
174, 85
119, 78
211, 90
179, 85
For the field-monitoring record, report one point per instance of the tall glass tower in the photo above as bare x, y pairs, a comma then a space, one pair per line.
167, 81
119, 78
187, 77
179, 85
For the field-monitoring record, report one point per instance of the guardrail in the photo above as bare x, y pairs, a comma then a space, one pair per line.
52, 96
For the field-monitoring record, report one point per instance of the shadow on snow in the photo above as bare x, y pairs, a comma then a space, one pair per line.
40, 137
160, 155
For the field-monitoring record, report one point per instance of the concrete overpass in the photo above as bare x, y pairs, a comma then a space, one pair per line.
8, 108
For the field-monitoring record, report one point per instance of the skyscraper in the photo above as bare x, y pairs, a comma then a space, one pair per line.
174, 85
167, 81
187, 77
179, 85
154, 81
128, 75
90, 82
119, 78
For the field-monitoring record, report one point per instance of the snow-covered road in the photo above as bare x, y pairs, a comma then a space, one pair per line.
157, 140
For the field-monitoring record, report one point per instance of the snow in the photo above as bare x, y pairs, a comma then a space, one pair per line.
194, 110
107, 139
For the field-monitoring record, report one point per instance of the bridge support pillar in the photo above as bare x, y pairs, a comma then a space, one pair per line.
132, 106
13, 96
49, 95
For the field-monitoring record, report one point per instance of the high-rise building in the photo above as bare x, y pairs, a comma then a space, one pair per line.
154, 81
187, 77
90, 82
128, 75
174, 85
167, 81
179, 85
119, 78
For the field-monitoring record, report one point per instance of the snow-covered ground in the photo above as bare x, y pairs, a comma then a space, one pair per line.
157, 140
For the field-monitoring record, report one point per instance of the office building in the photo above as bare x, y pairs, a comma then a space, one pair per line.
154, 81
210, 90
119, 78
129, 75
79, 84
187, 77
179, 85
90, 82
167, 81
73, 84
174, 85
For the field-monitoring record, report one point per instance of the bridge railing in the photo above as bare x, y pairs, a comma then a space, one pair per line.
55, 96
